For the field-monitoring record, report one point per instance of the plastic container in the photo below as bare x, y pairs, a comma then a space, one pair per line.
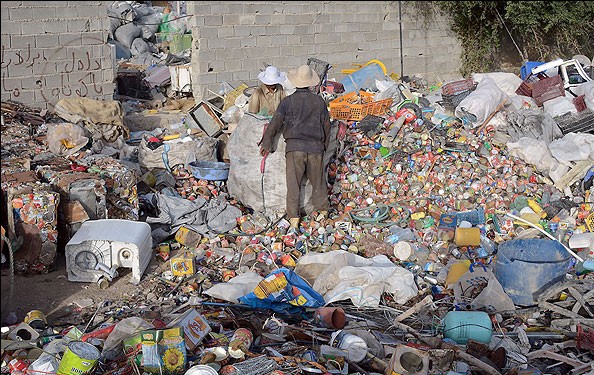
355, 106
462, 326
468, 236
526, 69
355, 346
403, 250
547, 89
363, 78
527, 267
210, 170
201, 370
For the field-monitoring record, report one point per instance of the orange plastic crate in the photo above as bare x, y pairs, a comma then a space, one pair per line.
354, 106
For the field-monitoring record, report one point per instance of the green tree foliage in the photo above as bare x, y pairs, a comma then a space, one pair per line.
542, 30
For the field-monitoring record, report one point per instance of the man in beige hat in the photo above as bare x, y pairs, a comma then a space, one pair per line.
304, 121
266, 98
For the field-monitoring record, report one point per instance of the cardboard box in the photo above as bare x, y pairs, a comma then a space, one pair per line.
447, 227
164, 351
182, 264
187, 237
195, 327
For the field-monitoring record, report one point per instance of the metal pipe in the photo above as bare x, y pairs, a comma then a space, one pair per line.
400, 27
539, 335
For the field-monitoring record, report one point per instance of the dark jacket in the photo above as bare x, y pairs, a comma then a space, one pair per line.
304, 121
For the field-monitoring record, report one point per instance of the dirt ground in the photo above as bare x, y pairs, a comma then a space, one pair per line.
53, 294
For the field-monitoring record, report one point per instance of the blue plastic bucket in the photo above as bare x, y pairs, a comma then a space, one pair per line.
525, 268
210, 170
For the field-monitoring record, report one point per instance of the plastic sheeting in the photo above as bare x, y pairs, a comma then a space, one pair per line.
340, 275
235, 288
215, 216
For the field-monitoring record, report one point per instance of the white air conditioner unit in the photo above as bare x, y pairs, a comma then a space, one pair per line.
99, 247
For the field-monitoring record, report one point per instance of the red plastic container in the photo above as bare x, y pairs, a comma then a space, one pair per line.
547, 89
580, 102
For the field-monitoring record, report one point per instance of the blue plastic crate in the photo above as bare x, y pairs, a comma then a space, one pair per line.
527, 68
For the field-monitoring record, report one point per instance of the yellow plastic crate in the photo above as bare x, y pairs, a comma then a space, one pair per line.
354, 106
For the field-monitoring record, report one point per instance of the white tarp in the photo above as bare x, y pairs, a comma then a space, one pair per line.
340, 275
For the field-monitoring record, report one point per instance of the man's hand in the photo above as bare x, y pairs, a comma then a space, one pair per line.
264, 151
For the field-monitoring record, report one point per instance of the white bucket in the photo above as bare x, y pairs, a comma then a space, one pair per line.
201, 370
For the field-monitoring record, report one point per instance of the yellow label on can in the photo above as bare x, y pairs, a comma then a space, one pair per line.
35, 316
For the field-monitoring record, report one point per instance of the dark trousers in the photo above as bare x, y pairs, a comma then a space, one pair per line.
299, 165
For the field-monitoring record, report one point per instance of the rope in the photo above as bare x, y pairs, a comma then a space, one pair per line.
510, 36
378, 213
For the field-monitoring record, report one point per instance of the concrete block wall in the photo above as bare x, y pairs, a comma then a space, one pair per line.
233, 41
56, 49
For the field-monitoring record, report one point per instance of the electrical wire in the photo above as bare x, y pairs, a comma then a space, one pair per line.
146, 24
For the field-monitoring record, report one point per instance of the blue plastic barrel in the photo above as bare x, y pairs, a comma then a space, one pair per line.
363, 78
525, 268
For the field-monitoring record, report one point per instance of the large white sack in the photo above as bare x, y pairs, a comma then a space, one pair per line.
507, 82
245, 180
481, 102
126, 34
536, 152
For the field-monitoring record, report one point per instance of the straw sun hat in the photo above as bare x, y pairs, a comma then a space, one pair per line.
304, 76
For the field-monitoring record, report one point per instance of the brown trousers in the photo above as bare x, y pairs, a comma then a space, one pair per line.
299, 165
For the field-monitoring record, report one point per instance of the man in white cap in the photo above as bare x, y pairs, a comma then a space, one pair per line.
304, 121
268, 95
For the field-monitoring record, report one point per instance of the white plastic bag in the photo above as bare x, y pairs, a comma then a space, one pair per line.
124, 329
237, 287
559, 106
507, 82
479, 289
65, 139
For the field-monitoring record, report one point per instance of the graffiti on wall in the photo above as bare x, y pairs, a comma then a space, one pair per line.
86, 82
